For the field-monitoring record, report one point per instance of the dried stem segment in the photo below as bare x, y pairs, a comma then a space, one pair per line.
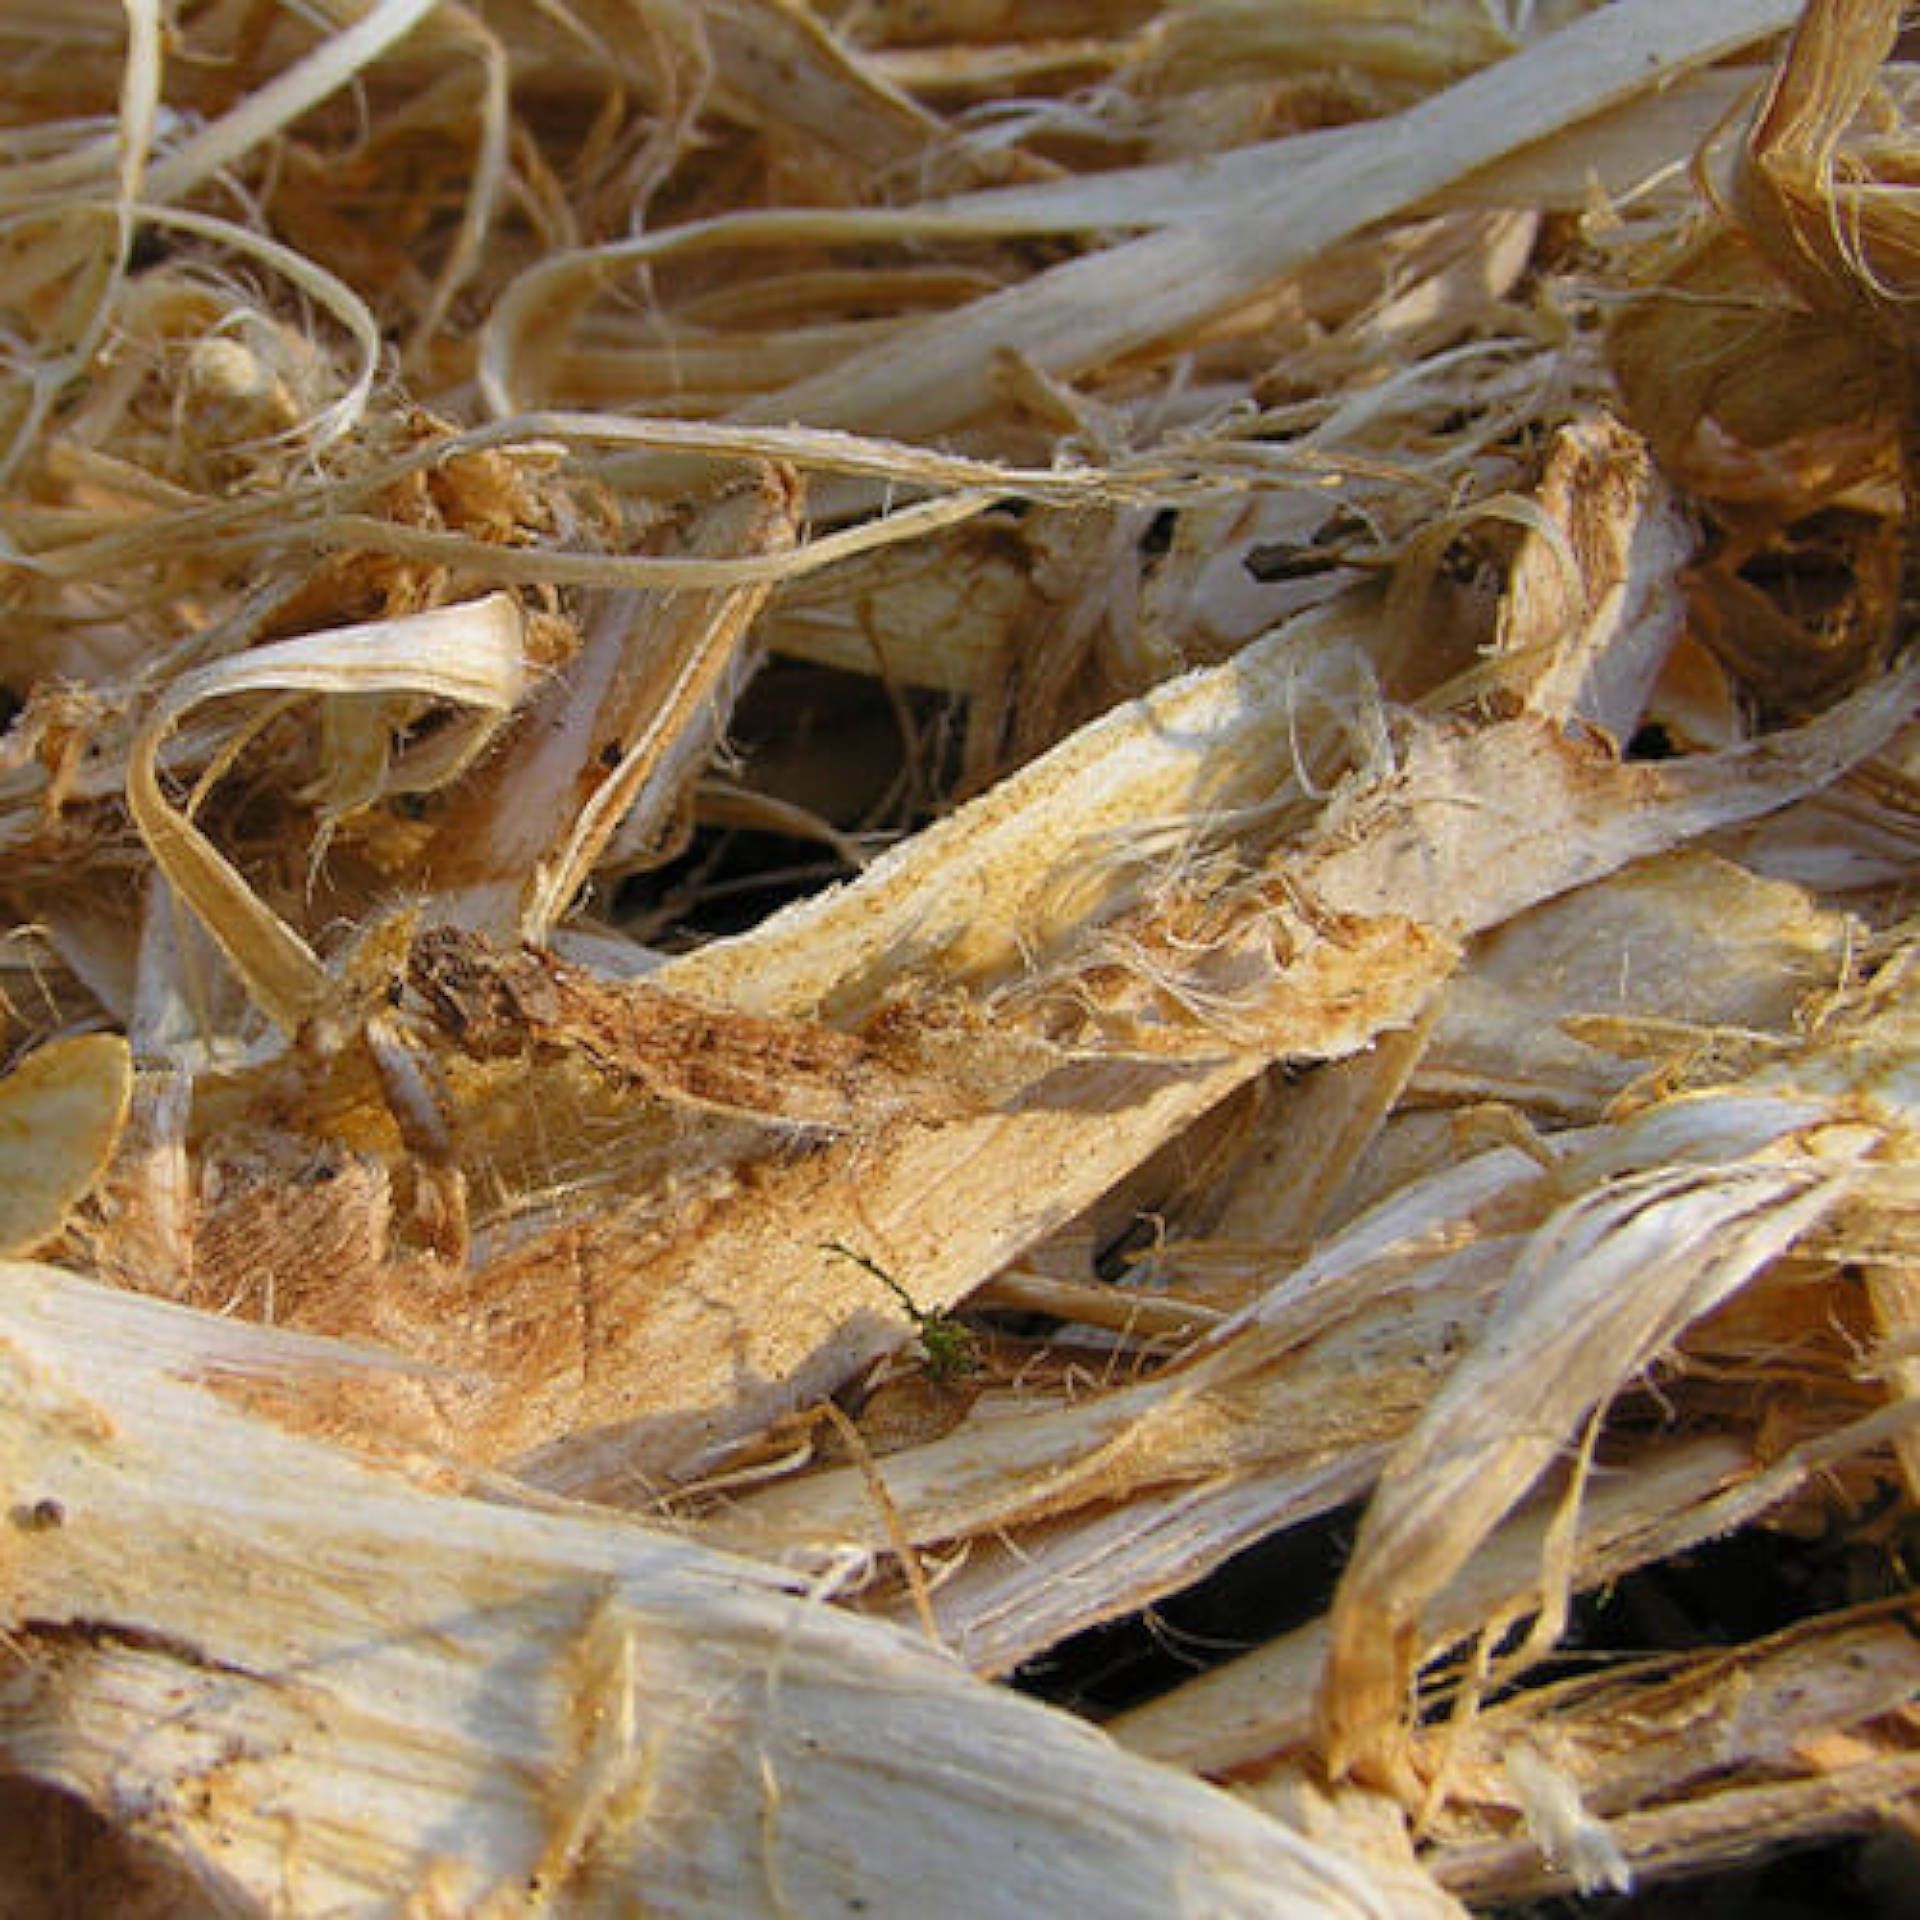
565, 1706
491, 1003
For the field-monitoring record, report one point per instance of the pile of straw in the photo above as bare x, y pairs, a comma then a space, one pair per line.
834, 832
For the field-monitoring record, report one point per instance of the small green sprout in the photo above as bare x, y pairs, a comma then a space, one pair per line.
946, 1346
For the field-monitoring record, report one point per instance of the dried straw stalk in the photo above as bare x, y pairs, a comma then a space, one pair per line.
1329, 584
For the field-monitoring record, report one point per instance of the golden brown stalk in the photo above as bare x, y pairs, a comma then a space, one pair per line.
495, 1002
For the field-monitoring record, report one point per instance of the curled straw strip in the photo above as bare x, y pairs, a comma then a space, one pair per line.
471, 655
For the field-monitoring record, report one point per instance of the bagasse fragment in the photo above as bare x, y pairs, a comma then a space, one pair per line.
542, 1709
841, 836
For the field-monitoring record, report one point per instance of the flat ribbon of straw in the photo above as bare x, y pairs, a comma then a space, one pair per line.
470, 654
